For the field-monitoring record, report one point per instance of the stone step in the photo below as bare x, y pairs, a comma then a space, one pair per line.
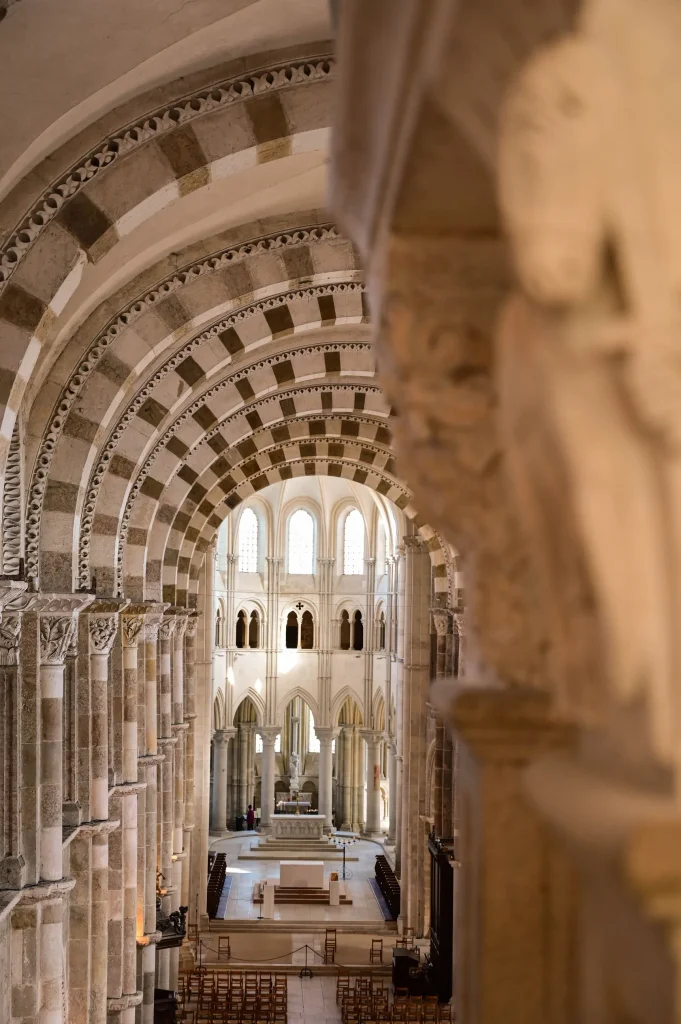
265, 853
291, 894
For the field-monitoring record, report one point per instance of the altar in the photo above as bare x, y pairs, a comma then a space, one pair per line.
291, 806
298, 826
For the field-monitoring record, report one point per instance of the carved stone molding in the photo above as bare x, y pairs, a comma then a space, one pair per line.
215, 390
102, 630
98, 828
116, 1004
10, 639
11, 507
43, 892
153, 125
56, 634
150, 760
192, 627
127, 789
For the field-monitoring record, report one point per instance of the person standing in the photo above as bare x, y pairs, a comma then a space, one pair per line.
250, 818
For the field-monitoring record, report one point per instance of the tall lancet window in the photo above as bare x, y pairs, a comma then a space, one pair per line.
353, 544
248, 541
301, 543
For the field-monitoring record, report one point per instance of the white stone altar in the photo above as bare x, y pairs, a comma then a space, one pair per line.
298, 826
301, 874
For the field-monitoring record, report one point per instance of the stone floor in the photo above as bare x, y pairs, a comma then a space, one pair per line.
244, 874
313, 1000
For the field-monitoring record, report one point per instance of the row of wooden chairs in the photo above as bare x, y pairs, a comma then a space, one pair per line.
388, 884
216, 881
360, 983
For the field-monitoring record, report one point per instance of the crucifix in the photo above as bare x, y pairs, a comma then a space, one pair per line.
300, 606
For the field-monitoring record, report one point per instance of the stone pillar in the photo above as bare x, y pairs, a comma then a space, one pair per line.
219, 816
505, 848
345, 778
392, 794
417, 589
326, 737
269, 735
190, 755
56, 633
149, 764
107, 934
243, 767
373, 815
360, 781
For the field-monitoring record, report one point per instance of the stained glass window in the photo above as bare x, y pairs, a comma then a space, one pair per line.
248, 541
353, 544
301, 543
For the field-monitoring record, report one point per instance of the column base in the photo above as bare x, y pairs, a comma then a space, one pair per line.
218, 833
372, 833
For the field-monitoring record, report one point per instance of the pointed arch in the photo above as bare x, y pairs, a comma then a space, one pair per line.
257, 702
219, 711
340, 699
298, 691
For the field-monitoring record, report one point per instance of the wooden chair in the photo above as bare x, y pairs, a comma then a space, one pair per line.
376, 951
330, 946
224, 948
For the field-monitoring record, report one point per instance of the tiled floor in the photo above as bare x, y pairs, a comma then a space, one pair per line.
245, 873
312, 1000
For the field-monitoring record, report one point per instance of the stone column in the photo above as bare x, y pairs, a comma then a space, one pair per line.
219, 815
373, 815
359, 781
269, 735
417, 574
190, 754
149, 764
108, 852
345, 778
56, 632
326, 737
392, 794
243, 766
166, 741
505, 848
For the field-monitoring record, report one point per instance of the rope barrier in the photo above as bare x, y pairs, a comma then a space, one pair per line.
267, 960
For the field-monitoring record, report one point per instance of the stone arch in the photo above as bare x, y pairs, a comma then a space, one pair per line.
50, 229
257, 704
344, 695
219, 711
305, 695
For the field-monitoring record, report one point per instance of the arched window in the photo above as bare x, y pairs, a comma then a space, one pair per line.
241, 629
258, 743
353, 544
301, 543
345, 631
248, 541
307, 632
292, 630
381, 632
277, 744
218, 628
313, 744
254, 630
358, 632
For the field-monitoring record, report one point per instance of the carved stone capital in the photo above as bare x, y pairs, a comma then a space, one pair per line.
10, 637
269, 734
131, 628
166, 630
441, 620
56, 634
102, 630
151, 630
192, 627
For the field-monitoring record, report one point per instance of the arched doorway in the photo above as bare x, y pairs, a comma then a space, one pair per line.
350, 770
